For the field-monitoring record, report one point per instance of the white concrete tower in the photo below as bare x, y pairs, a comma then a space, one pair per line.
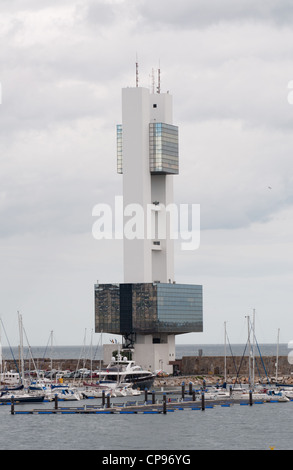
148, 309
149, 160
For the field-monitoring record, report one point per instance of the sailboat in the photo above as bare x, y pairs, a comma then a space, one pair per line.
50, 390
19, 393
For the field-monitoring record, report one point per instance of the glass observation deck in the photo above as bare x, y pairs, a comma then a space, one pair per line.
164, 158
148, 308
163, 149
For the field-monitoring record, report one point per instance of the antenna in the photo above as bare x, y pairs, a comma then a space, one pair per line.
136, 66
159, 80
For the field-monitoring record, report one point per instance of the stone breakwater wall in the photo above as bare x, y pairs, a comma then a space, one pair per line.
57, 364
235, 366
211, 369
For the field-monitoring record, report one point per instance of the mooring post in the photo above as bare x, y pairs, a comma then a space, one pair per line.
12, 405
250, 397
108, 400
193, 395
153, 397
182, 390
202, 401
190, 388
145, 395
103, 397
164, 404
56, 401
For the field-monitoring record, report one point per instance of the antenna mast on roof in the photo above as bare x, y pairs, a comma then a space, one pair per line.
159, 80
136, 66
153, 81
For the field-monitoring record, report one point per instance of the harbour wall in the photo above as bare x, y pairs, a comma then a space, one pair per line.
235, 366
187, 365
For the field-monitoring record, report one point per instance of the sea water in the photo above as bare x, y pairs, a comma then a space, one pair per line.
96, 352
257, 427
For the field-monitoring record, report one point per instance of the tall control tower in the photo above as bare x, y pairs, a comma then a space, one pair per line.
149, 308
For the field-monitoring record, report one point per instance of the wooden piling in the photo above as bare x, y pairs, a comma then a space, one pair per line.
12, 405
202, 401
56, 401
164, 404
153, 397
250, 397
182, 389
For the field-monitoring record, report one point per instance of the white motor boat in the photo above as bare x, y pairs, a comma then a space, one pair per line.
92, 392
287, 391
124, 371
21, 396
63, 392
262, 396
217, 394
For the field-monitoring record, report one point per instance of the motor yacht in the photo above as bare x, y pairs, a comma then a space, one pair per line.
124, 371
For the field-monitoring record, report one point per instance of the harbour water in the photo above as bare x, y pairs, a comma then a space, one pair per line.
259, 427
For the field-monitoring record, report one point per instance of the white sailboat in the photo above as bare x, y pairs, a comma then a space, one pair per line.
19, 393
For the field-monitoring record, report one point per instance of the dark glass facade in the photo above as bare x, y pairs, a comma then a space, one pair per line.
148, 308
180, 305
126, 305
107, 308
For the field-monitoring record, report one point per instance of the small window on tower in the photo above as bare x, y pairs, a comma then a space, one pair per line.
154, 105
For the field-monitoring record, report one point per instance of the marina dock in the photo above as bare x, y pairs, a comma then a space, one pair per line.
163, 406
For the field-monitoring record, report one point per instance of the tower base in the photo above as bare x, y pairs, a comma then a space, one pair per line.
151, 352
154, 352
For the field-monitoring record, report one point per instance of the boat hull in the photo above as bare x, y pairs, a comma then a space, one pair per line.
22, 399
135, 382
142, 382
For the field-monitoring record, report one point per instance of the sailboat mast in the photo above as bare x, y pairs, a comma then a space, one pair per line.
21, 347
249, 348
253, 347
118, 363
91, 354
51, 355
225, 353
277, 358
1, 369
100, 371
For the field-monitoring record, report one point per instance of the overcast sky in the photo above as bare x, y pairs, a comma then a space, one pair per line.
227, 64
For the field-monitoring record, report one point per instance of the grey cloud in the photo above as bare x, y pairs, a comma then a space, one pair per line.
52, 204
50, 180
249, 90
100, 13
32, 5
203, 13
34, 105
